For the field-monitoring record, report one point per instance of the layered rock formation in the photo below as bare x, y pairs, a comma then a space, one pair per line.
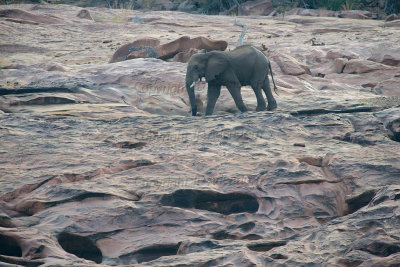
178, 50
101, 163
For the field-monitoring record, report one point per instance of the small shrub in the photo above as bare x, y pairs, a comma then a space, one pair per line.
334, 5
348, 5
392, 7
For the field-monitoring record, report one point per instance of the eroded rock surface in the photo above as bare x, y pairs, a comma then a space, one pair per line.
101, 163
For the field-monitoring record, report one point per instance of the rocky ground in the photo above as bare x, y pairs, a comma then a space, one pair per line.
101, 162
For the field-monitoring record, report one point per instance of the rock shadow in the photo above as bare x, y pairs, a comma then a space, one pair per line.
357, 202
265, 246
9, 246
393, 129
378, 248
150, 253
212, 201
80, 246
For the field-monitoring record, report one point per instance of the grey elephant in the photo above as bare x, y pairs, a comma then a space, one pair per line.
245, 65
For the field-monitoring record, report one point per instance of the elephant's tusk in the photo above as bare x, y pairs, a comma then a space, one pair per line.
192, 84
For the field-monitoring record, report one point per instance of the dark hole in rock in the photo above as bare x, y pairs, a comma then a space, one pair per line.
380, 248
150, 253
390, 62
80, 246
350, 263
251, 237
44, 100
247, 226
262, 247
220, 235
394, 130
212, 201
355, 138
5, 221
380, 200
278, 256
9, 246
320, 111
130, 145
357, 202
188, 247
28, 90
397, 197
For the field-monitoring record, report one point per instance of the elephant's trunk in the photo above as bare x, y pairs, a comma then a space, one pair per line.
192, 98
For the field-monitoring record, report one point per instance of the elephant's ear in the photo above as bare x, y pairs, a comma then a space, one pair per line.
217, 64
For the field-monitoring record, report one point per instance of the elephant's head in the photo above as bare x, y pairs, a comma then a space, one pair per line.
208, 65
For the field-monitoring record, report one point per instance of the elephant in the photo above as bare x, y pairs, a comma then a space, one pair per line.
245, 65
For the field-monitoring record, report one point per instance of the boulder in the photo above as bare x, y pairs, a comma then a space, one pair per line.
84, 14
122, 52
290, 66
150, 48
256, 8
389, 55
185, 43
354, 14
392, 17
389, 87
185, 55
395, 23
357, 66
55, 67
340, 53
305, 20
310, 12
143, 52
339, 64
26, 16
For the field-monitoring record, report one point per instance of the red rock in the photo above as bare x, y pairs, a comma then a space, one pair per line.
55, 67
185, 43
23, 21
150, 48
185, 55
256, 8
362, 66
389, 87
395, 23
84, 14
392, 17
339, 64
310, 12
289, 65
340, 53
90, 154
388, 56
354, 14
26, 16
122, 52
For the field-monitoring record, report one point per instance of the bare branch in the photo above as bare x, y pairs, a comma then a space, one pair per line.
240, 42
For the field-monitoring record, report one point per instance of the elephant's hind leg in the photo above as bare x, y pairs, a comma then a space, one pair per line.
212, 96
270, 98
260, 99
235, 92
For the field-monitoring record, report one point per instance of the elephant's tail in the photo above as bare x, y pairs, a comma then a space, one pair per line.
272, 76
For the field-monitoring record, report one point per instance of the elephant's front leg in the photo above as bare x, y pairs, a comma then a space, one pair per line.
234, 89
212, 96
